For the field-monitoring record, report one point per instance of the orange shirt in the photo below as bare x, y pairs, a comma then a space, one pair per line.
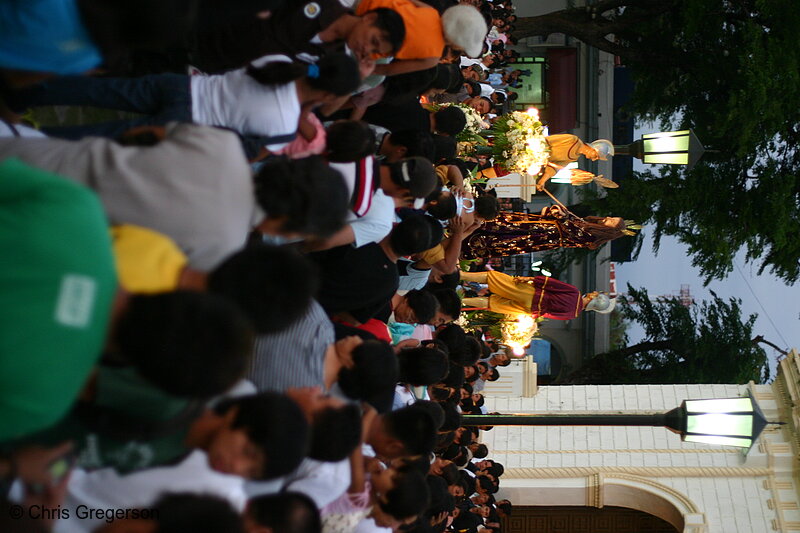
424, 34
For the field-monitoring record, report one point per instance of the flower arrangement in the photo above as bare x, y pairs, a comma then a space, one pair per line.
519, 142
517, 332
475, 125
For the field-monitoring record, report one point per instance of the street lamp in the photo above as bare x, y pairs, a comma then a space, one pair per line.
665, 148
730, 421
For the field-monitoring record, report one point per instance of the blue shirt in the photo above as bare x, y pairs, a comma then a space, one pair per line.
45, 36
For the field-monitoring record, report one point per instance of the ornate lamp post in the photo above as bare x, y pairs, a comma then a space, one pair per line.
730, 421
665, 148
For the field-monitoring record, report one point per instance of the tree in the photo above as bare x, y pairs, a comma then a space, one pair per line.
730, 71
706, 343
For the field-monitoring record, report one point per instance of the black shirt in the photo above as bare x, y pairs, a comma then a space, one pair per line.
288, 31
357, 280
404, 115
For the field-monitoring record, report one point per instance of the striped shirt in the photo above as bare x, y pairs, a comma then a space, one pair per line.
295, 356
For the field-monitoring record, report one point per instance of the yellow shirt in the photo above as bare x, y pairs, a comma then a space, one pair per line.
147, 261
433, 255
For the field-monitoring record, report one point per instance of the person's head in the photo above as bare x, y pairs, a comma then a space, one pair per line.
481, 104
334, 75
471, 373
471, 352
470, 75
273, 285
504, 508
491, 375
301, 197
472, 85
187, 343
465, 28
486, 207
412, 177
449, 121
422, 366
449, 307
438, 280
452, 417
403, 432
453, 336
379, 32
599, 302
407, 143
441, 204
261, 436
402, 492
415, 234
454, 378
501, 359
349, 140
479, 451
483, 485
497, 98
477, 399
416, 307
180, 513
372, 376
335, 424
286, 512
117, 26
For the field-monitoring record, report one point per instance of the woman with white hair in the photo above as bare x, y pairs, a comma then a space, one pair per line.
540, 296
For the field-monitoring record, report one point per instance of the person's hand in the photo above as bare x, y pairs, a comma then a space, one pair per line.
458, 225
405, 344
366, 66
438, 518
344, 349
32, 463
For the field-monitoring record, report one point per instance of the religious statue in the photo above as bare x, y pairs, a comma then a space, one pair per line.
541, 296
514, 233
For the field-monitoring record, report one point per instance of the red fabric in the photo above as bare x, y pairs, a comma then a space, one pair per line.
377, 328
555, 299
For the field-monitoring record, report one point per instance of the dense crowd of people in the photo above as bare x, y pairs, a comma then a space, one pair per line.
232, 310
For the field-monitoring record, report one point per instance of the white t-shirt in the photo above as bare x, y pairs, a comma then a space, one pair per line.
18, 130
377, 212
107, 489
321, 481
237, 101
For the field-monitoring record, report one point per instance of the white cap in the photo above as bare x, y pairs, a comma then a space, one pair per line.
601, 304
465, 28
604, 147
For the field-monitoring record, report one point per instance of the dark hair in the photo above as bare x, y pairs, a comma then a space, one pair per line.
409, 495
449, 281
117, 26
453, 336
422, 366
441, 500
179, 513
474, 87
414, 174
433, 409
418, 143
485, 483
416, 233
496, 469
275, 424
187, 343
450, 474
286, 512
480, 401
335, 432
475, 375
480, 452
391, 23
273, 285
445, 206
423, 303
482, 366
455, 377
472, 351
413, 427
505, 507
452, 418
349, 140
402, 87
444, 147
601, 233
449, 302
494, 374
310, 195
487, 207
373, 375
337, 73
450, 120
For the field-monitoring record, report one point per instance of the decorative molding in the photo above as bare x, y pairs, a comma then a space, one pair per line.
626, 451
645, 472
594, 491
